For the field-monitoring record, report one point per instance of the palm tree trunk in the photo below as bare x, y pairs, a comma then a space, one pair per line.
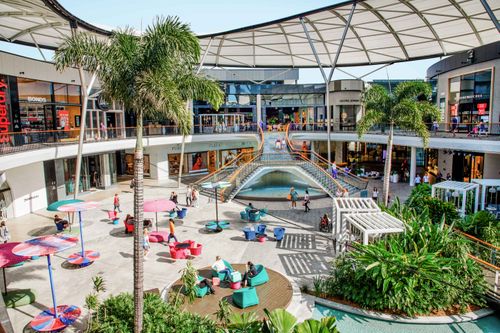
181, 162
387, 167
138, 228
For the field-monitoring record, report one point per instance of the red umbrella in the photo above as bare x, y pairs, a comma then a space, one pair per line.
158, 205
9, 259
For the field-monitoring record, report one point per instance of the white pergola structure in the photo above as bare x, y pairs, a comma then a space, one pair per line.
487, 186
343, 207
374, 224
457, 193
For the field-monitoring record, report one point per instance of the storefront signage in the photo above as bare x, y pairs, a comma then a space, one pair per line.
4, 116
63, 119
33, 99
453, 109
349, 100
481, 107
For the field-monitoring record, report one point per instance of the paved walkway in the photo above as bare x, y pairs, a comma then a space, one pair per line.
303, 253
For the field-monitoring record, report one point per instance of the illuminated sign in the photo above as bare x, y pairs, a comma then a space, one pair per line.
36, 99
481, 107
453, 109
4, 116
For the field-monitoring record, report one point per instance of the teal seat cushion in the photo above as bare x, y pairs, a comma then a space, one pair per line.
260, 278
221, 276
245, 297
200, 292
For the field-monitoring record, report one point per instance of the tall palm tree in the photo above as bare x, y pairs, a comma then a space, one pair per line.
152, 75
407, 108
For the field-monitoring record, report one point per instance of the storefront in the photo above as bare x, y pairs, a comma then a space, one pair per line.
470, 99
467, 166
129, 165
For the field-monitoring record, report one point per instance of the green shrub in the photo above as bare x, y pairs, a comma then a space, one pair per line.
419, 192
437, 209
425, 268
482, 225
116, 315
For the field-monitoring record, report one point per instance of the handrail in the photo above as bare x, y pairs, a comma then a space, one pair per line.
477, 240
292, 148
481, 261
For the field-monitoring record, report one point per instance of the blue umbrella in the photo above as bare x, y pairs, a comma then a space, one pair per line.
216, 186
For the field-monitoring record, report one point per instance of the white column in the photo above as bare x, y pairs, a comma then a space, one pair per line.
413, 165
483, 196
105, 171
159, 164
476, 199
258, 108
464, 203
365, 238
339, 151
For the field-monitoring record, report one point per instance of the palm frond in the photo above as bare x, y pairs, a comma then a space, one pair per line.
81, 49
196, 87
417, 90
369, 120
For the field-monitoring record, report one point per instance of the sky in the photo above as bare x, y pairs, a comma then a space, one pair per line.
206, 16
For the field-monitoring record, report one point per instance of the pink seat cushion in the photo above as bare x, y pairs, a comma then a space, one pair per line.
158, 236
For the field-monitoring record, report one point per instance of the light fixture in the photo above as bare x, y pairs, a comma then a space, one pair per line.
21, 73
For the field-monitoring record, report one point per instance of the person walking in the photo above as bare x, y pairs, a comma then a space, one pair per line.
145, 242
307, 200
454, 125
194, 196
375, 194
334, 170
426, 178
418, 180
294, 196
435, 127
189, 194
4, 233
116, 203
171, 225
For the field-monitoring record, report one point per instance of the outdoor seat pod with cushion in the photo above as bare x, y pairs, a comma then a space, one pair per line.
158, 236
221, 276
182, 213
249, 234
178, 253
260, 278
200, 291
254, 216
129, 228
244, 215
261, 229
173, 215
263, 212
195, 250
279, 233
245, 297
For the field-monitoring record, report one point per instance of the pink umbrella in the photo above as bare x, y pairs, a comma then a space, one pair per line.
158, 205
83, 258
9, 259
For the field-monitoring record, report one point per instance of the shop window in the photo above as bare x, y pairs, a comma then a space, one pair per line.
197, 162
129, 163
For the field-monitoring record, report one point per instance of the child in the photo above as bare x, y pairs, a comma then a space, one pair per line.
145, 243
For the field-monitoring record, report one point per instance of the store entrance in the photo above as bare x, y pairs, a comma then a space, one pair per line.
49, 169
94, 167
467, 166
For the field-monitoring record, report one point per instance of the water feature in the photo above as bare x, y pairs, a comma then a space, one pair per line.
275, 185
351, 323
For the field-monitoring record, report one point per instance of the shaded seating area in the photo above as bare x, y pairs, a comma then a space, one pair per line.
213, 226
221, 276
251, 214
276, 293
369, 226
489, 189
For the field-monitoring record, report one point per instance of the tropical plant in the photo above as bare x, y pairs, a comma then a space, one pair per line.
224, 311
318, 284
279, 321
116, 316
419, 192
246, 322
426, 268
407, 108
92, 300
325, 325
189, 277
482, 225
150, 75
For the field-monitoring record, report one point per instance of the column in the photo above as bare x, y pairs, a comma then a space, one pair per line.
191, 112
105, 171
258, 108
413, 165
158, 164
339, 152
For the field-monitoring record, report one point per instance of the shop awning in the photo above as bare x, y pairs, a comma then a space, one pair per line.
381, 31
42, 23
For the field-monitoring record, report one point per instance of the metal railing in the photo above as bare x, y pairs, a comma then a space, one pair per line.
442, 130
13, 142
347, 177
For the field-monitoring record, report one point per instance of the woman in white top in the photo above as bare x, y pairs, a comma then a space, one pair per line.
189, 194
4, 233
426, 178
375, 194
307, 200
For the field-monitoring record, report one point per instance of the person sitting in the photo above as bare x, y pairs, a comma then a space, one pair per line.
129, 219
147, 223
250, 272
220, 267
61, 224
325, 224
203, 282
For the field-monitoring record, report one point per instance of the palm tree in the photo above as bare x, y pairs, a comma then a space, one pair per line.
407, 108
151, 75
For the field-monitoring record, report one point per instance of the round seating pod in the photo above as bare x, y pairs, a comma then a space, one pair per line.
158, 236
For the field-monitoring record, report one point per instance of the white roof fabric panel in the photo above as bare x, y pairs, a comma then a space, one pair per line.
381, 31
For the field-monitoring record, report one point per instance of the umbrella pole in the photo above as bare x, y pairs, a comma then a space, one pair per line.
216, 208
69, 221
4, 281
81, 233
156, 218
49, 265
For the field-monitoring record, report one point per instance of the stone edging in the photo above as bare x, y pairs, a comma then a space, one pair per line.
406, 320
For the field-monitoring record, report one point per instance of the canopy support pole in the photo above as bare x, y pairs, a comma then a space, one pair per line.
329, 78
51, 280
38, 47
491, 14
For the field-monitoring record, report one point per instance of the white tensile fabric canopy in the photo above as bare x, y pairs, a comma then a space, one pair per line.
40, 23
380, 31
374, 224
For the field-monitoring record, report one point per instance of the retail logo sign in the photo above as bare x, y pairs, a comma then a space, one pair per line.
4, 115
481, 108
